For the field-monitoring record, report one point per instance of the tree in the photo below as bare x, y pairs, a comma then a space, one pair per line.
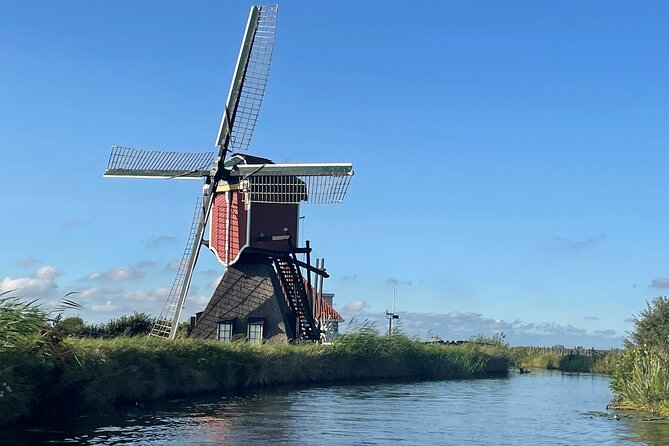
71, 326
651, 328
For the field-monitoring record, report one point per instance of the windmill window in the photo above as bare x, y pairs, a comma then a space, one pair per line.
255, 332
225, 331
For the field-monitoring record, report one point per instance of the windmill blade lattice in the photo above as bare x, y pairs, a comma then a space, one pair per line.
316, 183
128, 162
165, 326
255, 79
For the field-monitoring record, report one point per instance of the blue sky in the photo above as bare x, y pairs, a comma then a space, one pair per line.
511, 157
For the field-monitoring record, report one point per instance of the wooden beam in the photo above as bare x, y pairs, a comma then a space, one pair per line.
298, 169
226, 187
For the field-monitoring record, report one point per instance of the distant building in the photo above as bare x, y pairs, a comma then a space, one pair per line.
330, 319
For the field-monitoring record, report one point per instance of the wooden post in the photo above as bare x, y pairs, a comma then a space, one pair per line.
309, 288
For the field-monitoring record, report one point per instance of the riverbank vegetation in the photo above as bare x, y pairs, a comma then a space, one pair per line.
641, 378
45, 371
600, 362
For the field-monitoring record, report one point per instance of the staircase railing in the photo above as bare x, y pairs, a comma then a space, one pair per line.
297, 298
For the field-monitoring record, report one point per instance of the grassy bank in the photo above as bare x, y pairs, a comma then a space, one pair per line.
84, 374
641, 378
641, 381
531, 357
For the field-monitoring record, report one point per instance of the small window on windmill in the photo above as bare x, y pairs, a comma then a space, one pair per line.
255, 331
225, 330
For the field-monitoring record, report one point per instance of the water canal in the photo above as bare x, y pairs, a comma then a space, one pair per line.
542, 408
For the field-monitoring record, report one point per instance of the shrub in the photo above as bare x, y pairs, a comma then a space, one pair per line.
651, 328
641, 380
71, 326
137, 324
641, 376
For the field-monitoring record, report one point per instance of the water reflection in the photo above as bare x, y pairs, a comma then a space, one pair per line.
541, 408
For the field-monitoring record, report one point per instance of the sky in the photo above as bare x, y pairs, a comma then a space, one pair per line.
510, 157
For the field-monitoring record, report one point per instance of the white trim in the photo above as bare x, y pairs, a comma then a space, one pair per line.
218, 332
262, 332
211, 229
296, 169
165, 177
299, 224
226, 260
228, 198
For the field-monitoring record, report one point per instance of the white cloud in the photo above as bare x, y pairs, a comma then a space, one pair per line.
40, 284
46, 273
356, 305
120, 274
27, 262
104, 303
214, 283
155, 242
210, 272
123, 302
458, 315
659, 283
173, 265
106, 307
144, 264
458, 325
197, 303
94, 292
577, 245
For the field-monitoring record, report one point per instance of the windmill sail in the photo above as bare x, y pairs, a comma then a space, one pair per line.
255, 79
239, 117
250, 80
165, 326
137, 163
308, 183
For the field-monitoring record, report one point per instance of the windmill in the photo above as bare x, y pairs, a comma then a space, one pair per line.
250, 206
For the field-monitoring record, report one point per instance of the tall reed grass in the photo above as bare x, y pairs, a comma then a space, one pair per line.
529, 357
641, 380
86, 374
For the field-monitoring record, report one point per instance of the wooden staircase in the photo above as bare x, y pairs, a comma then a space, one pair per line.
297, 298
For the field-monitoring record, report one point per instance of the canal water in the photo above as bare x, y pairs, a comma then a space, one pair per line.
542, 408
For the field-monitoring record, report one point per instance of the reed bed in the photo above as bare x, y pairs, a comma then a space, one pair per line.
641, 381
529, 357
86, 374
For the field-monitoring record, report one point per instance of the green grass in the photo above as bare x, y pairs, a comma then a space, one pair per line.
529, 357
641, 380
86, 374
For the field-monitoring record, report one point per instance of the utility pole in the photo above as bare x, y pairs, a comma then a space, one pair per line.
392, 315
